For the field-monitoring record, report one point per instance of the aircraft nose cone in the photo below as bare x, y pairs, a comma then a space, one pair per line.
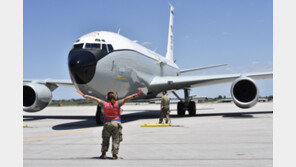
82, 65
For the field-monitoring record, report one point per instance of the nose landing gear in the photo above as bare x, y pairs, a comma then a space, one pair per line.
99, 116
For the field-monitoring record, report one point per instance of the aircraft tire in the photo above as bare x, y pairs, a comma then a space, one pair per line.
181, 108
192, 108
99, 116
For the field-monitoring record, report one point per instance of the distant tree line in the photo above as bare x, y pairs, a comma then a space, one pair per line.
86, 102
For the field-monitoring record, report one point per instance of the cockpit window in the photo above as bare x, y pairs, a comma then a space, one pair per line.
93, 45
110, 48
97, 40
103, 40
78, 46
104, 47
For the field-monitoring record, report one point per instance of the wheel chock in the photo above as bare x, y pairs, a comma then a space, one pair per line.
156, 125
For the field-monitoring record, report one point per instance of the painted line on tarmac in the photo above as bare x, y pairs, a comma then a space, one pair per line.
56, 134
154, 159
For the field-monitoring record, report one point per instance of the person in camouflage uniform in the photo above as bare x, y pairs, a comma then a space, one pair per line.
165, 108
111, 129
112, 126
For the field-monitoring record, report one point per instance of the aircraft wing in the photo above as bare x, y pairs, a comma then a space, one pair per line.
53, 82
180, 82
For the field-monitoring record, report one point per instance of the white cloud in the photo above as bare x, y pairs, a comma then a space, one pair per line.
146, 43
225, 33
229, 69
254, 66
255, 62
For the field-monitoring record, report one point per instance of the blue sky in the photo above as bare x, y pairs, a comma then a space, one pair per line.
206, 32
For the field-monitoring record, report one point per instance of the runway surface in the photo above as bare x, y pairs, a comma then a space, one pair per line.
221, 134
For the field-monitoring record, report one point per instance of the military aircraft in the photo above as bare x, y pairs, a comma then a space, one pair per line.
103, 61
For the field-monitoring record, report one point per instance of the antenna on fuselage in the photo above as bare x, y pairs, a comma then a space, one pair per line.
118, 31
170, 46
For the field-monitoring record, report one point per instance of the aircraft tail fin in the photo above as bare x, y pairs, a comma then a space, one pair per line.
170, 46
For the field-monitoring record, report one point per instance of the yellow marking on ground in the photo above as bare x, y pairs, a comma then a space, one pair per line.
123, 78
55, 134
25, 125
156, 125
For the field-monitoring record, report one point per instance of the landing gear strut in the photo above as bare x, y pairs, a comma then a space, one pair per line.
187, 104
99, 116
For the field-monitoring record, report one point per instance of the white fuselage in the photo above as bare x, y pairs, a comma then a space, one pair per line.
125, 69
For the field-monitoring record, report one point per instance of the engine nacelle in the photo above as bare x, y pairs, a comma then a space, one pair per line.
35, 97
244, 92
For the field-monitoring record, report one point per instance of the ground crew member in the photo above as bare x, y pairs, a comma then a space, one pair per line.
112, 122
165, 108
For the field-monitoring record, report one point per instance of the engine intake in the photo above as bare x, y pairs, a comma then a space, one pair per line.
244, 92
35, 97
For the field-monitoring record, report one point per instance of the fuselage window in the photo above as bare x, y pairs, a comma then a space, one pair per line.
78, 46
104, 47
93, 45
110, 48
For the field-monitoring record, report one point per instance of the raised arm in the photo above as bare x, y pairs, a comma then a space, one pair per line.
93, 98
128, 98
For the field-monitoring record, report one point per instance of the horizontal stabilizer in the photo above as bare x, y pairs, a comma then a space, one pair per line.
202, 68
56, 82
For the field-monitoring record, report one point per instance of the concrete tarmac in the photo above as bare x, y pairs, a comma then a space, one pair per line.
221, 134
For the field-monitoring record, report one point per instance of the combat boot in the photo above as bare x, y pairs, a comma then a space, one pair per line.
114, 156
103, 156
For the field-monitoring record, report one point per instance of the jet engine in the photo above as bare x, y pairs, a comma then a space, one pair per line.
35, 97
244, 92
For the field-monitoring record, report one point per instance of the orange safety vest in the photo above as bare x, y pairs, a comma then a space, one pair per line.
111, 112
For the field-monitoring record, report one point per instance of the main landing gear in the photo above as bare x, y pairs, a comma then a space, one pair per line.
187, 104
99, 116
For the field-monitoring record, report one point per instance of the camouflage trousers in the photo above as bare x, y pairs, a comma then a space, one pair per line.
113, 129
164, 113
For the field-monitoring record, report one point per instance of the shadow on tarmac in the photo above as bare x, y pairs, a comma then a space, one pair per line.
89, 121
107, 158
